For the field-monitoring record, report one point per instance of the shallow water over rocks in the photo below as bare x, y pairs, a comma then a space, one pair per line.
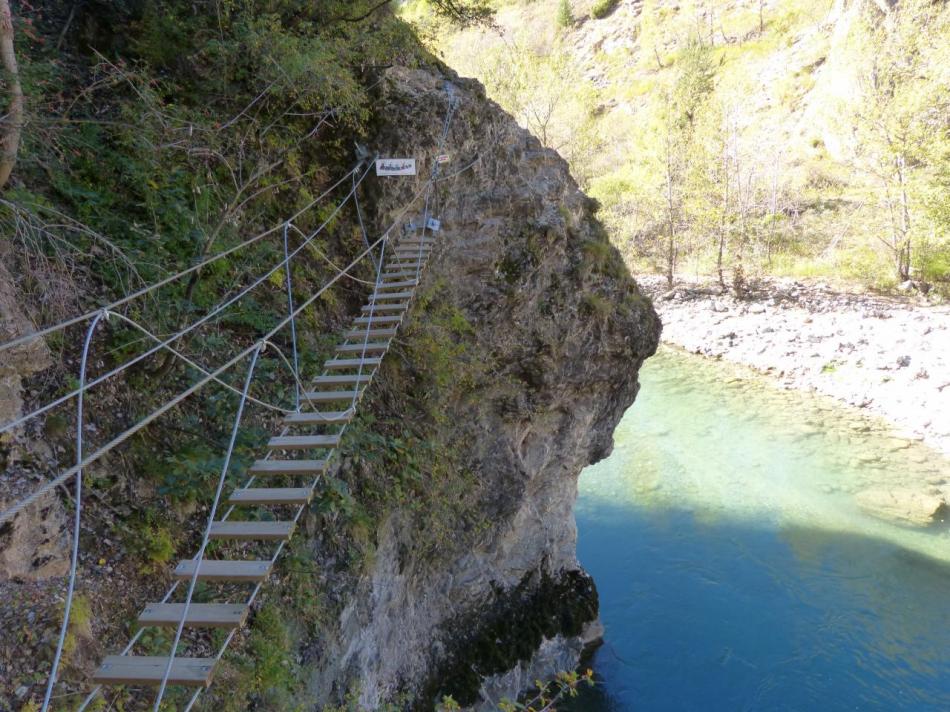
763, 549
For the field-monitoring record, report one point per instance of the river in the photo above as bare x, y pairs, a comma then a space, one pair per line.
736, 571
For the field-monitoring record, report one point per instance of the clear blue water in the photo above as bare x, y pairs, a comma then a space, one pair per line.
736, 567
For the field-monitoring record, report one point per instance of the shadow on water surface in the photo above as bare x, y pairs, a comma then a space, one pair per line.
717, 615
736, 566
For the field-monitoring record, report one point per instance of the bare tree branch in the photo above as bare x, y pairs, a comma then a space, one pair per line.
11, 140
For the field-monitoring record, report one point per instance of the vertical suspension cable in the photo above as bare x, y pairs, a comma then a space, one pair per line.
369, 322
196, 562
434, 175
359, 217
77, 518
290, 311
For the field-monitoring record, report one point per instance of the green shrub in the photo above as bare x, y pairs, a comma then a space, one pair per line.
151, 541
596, 306
565, 17
602, 8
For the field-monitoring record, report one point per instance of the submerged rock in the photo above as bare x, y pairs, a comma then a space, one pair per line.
904, 506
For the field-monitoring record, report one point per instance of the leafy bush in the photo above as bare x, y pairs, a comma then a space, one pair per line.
564, 16
602, 8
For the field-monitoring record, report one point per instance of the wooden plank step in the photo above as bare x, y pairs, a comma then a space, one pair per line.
330, 396
416, 240
341, 363
362, 333
387, 296
402, 269
302, 442
412, 251
318, 417
346, 377
265, 468
252, 531
149, 670
371, 347
322, 417
271, 495
398, 306
378, 319
399, 285
200, 615
224, 570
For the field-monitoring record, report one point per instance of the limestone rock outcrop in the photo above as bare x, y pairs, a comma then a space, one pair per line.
549, 332
34, 544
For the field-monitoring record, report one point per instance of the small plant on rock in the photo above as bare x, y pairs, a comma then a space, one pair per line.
602, 8
565, 18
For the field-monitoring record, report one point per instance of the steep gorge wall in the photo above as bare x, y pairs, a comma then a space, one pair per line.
442, 552
544, 332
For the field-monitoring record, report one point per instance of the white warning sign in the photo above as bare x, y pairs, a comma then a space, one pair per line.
396, 167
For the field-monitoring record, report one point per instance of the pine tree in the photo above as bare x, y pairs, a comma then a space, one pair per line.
565, 18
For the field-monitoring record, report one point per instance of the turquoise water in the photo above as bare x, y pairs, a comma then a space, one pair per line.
736, 567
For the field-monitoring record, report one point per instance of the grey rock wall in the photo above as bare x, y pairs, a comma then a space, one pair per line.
556, 332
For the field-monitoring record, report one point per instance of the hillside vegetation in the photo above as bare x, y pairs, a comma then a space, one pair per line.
155, 134
737, 138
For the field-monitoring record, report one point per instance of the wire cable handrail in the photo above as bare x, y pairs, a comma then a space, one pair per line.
33, 335
12, 511
196, 365
179, 334
254, 350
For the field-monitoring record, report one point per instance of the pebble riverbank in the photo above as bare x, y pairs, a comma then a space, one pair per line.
888, 355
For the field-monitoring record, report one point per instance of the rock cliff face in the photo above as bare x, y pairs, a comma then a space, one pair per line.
517, 362
33, 544
441, 555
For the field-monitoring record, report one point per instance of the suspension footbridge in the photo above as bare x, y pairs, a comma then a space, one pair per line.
249, 524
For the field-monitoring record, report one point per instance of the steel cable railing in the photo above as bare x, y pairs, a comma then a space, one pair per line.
32, 336
220, 308
254, 351
296, 311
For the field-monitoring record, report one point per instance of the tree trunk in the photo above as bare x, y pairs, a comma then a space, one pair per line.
904, 258
723, 213
670, 258
672, 171
14, 121
670, 208
722, 244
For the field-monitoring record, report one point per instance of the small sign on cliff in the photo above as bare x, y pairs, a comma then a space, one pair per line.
433, 224
396, 167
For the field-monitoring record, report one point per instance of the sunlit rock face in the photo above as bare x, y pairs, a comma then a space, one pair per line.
550, 332
33, 545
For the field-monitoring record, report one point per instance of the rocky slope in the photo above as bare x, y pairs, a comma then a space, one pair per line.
453, 560
785, 88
